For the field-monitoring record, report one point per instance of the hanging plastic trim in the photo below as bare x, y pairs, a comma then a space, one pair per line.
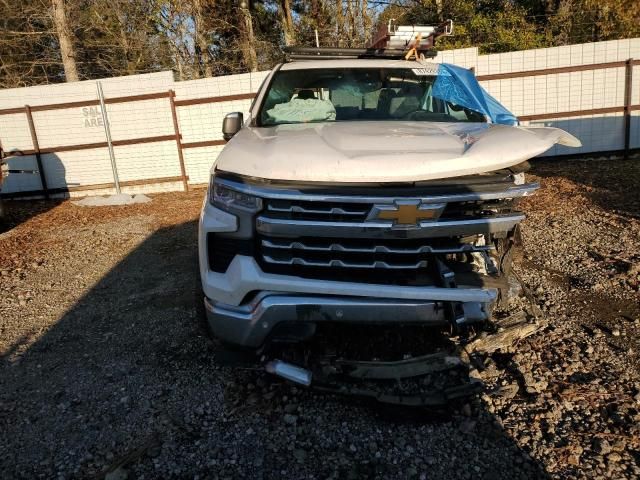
459, 86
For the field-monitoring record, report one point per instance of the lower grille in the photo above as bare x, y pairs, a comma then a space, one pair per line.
390, 261
367, 246
357, 253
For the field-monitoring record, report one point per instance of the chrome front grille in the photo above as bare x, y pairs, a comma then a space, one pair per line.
331, 232
350, 212
358, 253
346, 264
290, 228
336, 245
304, 210
311, 237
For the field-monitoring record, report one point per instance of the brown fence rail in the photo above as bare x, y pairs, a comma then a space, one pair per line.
96, 186
557, 70
89, 146
174, 103
86, 103
224, 98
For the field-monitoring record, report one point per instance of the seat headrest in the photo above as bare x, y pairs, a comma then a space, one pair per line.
306, 94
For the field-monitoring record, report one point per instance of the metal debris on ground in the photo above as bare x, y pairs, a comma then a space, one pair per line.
453, 368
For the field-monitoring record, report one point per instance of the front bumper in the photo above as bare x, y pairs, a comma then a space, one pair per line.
279, 315
245, 276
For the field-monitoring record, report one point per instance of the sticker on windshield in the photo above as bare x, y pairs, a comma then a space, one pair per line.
430, 70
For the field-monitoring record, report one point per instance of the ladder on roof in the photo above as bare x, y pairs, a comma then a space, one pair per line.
391, 42
405, 37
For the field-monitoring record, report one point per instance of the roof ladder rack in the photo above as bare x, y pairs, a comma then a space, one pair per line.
331, 53
402, 36
391, 42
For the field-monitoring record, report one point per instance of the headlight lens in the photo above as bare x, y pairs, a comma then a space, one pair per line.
230, 199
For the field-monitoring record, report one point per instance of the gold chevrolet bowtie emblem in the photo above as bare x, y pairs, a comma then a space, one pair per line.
406, 214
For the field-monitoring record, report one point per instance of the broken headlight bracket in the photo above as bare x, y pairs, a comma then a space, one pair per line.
447, 279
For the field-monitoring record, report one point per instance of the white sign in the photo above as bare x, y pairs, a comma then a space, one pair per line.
426, 71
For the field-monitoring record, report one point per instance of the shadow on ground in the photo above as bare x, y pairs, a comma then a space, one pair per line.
24, 176
17, 212
128, 378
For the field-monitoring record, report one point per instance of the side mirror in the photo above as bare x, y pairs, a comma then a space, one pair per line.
231, 124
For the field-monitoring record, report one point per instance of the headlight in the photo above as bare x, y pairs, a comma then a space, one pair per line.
230, 199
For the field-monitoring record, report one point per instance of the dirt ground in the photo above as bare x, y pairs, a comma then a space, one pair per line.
106, 368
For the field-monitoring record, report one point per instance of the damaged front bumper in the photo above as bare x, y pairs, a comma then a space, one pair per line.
295, 258
290, 317
364, 378
452, 372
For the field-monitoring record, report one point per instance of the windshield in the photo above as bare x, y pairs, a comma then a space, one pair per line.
348, 94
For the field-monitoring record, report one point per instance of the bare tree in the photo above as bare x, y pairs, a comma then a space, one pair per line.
202, 42
339, 22
247, 38
286, 19
175, 21
27, 54
65, 40
351, 22
366, 21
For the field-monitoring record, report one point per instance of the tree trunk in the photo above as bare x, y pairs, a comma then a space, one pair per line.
366, 22
247, 42
287, 21
339, 23
439, 10
351, 23
201, 39
65, 39
179, 67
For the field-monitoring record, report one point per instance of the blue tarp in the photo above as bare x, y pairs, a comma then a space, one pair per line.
459, 86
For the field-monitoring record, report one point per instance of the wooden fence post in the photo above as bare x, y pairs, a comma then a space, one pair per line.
176, 129
36, 148
628, 86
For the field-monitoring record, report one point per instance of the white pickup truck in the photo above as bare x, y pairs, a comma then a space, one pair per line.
364, 190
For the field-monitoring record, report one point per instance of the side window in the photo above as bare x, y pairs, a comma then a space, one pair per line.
457, 113
463, 114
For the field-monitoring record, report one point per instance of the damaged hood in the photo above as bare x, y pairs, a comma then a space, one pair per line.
383, 151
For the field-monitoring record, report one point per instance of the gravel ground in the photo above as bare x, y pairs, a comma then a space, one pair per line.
106, 368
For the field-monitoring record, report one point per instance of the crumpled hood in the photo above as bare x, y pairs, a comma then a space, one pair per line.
383, 151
